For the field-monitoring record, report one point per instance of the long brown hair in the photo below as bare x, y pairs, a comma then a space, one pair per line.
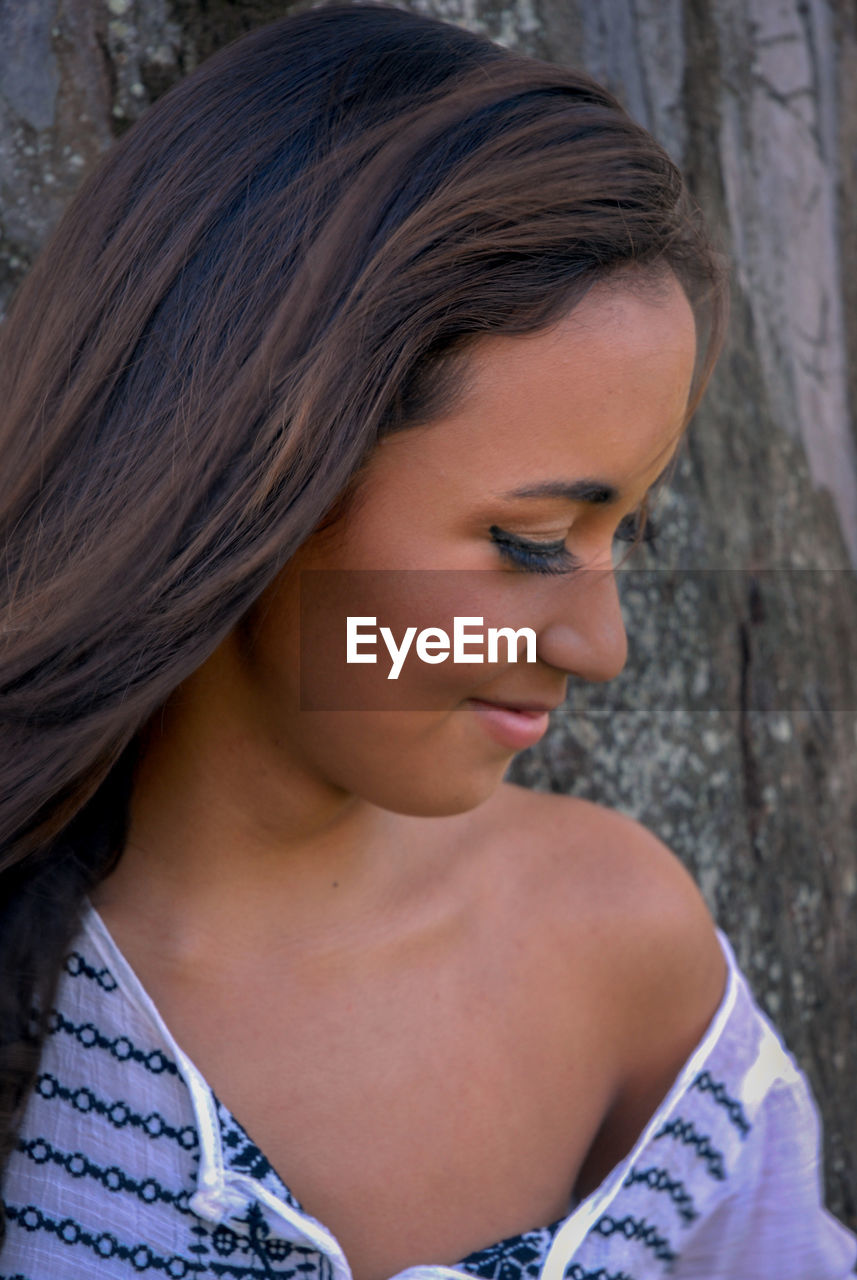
267, 274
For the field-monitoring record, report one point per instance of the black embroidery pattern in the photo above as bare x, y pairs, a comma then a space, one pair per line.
257, 1236
120, 1048
514, 1257
242, 1154
322, 1270
202, 1234
574, 1271
253, 1250
236, 1251
103, 1243
637, 1229
706, 1083
117, 1113
685, 1132
77, 966
75, 1163
658, 1179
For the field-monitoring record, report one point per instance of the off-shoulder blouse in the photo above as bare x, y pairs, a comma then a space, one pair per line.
127, 1165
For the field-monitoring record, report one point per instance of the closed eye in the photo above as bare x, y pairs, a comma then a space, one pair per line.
537, 557
554, 557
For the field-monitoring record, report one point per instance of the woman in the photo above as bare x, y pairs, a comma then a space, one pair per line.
294, 982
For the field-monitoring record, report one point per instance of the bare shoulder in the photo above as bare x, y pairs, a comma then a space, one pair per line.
620, 862
608, 884
617, 901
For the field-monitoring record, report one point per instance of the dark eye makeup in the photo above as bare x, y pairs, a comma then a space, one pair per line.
554, 557
538, 557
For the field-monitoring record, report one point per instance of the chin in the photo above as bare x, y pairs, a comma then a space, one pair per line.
446, 793
435, 769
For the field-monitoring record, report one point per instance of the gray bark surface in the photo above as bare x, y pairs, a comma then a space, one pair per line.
733, 731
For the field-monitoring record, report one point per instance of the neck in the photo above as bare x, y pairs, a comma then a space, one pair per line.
232, 835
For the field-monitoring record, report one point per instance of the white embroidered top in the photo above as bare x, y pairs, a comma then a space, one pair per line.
128, 1165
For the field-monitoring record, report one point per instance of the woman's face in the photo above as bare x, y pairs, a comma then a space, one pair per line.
595, 406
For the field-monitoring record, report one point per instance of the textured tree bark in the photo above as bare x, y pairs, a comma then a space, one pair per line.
733, 732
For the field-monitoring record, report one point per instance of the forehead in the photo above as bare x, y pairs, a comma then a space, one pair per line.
601, 393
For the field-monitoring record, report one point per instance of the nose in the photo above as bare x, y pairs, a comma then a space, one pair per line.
583, 632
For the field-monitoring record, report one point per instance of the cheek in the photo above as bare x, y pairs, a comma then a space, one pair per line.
406, 745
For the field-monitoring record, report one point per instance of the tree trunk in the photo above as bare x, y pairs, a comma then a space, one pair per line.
733, 731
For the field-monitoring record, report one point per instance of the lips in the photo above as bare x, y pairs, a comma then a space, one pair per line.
512, 725
526, 708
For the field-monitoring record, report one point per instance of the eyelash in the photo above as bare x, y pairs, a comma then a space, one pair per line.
550, 557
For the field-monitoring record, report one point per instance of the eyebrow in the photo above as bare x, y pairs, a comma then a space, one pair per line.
594, 491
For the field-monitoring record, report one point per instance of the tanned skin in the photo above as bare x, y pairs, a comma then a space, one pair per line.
438, 1002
